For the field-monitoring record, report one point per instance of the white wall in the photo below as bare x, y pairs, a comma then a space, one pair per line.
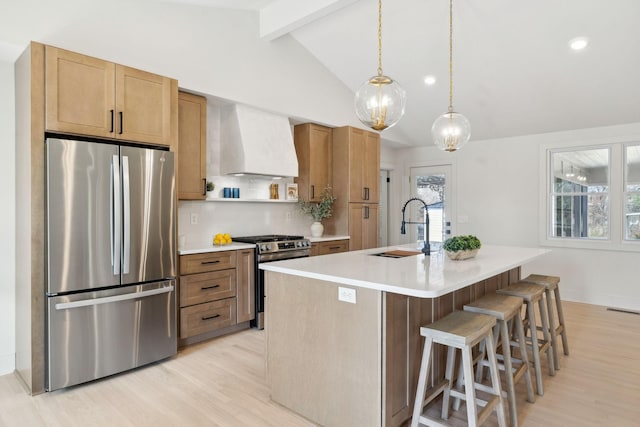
7, 215
498, 190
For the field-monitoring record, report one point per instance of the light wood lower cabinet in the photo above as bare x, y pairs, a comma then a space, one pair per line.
217, 294
363, 226
329, 247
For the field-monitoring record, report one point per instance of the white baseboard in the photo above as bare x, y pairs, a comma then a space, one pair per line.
7, 363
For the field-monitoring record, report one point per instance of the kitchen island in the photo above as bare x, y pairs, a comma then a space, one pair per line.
343, 340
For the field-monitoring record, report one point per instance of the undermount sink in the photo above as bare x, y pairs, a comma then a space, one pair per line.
396, 254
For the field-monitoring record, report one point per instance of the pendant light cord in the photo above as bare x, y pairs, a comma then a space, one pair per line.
451, 56
379, 37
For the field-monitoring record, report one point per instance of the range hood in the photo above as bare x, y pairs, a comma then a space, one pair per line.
256, 142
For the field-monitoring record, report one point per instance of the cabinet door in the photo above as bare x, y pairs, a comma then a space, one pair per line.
80, 93
357, 157
192, 145
371, 167
363, 226
143, 106
246, 291
313, 148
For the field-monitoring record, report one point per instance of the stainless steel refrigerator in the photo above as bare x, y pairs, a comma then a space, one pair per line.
110, 293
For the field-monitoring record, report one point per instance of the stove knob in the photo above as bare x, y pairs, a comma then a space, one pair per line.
268, 246
263, 247
307, 243
299, 244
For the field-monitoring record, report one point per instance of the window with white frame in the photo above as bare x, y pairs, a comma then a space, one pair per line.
593, 196
632, 192
580, 194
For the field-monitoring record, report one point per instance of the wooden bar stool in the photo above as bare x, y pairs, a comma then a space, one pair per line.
459, 330
506, 309
532, 294
550, 284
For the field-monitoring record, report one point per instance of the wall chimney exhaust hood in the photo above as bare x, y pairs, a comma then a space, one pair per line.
255, 142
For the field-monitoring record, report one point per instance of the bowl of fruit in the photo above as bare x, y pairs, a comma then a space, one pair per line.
221, 239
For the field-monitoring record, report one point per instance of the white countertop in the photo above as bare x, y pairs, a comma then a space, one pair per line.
200, 249
326, 238
417, 275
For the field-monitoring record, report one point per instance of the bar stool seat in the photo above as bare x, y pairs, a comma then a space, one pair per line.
459, 330
551, 284
532, 294
506, 309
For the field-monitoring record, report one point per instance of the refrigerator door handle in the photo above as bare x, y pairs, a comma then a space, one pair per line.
115, 215
115, 298
126, 189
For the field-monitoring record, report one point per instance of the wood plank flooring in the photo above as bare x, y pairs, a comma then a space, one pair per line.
222, 383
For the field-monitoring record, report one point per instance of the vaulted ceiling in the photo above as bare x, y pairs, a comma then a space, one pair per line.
514, 73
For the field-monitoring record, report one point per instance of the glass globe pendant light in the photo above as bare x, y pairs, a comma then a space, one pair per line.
380, 101
451, 130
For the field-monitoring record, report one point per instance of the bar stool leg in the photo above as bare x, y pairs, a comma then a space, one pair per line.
522, 339
451, 361
469, 384
546, 336
508, 370
422, 381
531, 324
563, 333
552, 329
495, 379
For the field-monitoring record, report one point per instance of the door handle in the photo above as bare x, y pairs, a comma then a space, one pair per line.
112, 124
366, 212
204, 186
121, 115
126, 190
115, 214
115, 298
313, 191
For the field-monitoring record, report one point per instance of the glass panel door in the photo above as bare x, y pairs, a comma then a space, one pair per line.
432, 185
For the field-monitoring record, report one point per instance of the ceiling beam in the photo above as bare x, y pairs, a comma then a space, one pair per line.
283, 16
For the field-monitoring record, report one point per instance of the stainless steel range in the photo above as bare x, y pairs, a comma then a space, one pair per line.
273, 247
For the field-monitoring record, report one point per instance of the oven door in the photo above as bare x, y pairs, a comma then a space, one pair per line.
260, 296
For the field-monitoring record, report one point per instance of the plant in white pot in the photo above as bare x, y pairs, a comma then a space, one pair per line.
318, 211
462, 247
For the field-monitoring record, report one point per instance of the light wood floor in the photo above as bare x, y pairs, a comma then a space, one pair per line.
222, 383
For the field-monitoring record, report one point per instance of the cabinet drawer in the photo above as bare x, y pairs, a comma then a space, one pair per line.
211, 261
205, 287
207, 317
333, 247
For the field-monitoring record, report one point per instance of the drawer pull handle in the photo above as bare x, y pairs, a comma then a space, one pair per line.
211, 317
210, 262
210, 287
334, 247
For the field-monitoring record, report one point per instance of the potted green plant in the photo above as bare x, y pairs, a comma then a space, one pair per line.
318, 211
462, 247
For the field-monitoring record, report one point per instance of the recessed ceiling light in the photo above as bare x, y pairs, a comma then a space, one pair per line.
429, 80
578, 43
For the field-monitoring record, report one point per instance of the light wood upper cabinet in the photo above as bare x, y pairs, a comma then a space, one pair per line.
358, 151
313, 148
192, 146
89, 96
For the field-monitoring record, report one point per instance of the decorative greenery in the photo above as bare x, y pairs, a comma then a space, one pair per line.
318, 211
461, 243
210, 186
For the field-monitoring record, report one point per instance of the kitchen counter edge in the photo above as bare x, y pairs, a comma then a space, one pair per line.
190, 250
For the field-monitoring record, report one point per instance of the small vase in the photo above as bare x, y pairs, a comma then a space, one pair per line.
317, 229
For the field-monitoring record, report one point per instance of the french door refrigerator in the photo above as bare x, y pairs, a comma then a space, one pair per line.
110, 293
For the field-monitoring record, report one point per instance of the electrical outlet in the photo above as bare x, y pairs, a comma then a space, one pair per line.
194, 218
346, 294
287, 216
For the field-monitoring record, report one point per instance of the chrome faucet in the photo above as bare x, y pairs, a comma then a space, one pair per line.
403, 229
